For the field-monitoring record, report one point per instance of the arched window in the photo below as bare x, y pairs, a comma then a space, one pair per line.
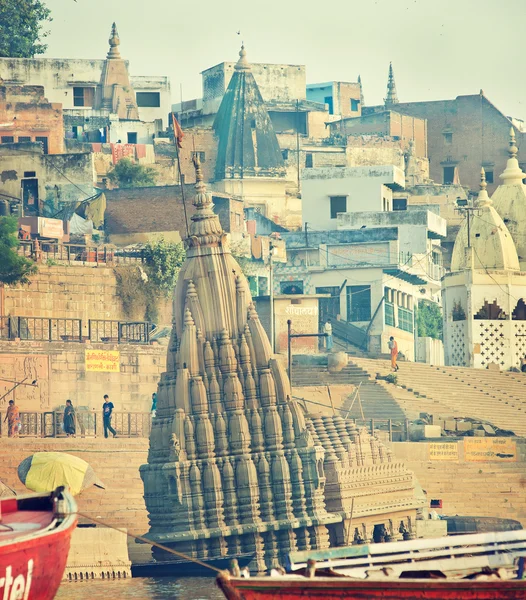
491, 312
519, 312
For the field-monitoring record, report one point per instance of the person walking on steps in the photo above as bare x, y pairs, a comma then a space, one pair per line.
327, 330
393, 347
107, 409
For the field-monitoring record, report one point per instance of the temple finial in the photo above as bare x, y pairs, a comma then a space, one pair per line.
483, 199
513, 147
114, 42
392, 97
483, 184
197, 166
242, 64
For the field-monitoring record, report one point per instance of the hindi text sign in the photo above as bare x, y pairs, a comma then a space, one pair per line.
103, 360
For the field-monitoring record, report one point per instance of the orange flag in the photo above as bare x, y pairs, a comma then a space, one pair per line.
178, 132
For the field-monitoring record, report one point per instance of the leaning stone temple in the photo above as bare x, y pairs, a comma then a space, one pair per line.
235, 466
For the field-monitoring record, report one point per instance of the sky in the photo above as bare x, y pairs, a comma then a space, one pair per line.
440, 49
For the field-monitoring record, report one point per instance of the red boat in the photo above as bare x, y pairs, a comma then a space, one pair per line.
35, 533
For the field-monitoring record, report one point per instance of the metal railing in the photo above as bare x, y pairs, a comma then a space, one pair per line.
88, 424
41, 329
53, 252
120, 332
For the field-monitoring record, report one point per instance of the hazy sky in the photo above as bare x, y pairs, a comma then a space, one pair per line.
440, 48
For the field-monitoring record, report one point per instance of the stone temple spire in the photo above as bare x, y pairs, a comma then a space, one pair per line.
362, 100
235, 466
391, 97
114, 42
248, 146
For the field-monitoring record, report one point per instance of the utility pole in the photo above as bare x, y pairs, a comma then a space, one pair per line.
271, 294
298, 142
469, 212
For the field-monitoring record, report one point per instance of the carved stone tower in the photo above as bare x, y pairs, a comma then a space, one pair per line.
235, 465
392, 97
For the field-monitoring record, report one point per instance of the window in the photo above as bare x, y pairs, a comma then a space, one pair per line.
309, 163
489, 176
448, 138
285, 154
7, 139
30, 174
132, 137
291, 287
23, 138
148, 99
405, 319
399, 203
83, 96
43, 140
200, 155
449, 175
358, 303
328, 100
389, 314
355, 105
338, 205
238, 219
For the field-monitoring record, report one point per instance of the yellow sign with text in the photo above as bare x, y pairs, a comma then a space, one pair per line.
443, 451
490, 449
103, 360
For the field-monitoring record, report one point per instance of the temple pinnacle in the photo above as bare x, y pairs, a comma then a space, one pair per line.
513, 147
242, 64
114, 42
391, 97
483, 199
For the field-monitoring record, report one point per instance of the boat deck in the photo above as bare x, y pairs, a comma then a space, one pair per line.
15, 523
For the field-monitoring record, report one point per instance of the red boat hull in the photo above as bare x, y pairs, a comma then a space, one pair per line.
32, 566
329, 588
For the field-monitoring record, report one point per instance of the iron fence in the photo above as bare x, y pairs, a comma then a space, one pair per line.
54, 252
88, 424
126, 332
41, 329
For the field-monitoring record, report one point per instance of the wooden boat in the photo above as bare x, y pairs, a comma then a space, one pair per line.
289, 587
186, 568
35, 533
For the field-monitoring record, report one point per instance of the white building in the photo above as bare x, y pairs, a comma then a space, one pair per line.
328, 191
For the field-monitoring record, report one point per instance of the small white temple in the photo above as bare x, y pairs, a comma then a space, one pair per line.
482, 297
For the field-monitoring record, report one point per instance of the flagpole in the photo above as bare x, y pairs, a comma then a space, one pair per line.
181, 183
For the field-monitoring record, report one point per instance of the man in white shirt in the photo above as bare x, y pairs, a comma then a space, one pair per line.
327, 330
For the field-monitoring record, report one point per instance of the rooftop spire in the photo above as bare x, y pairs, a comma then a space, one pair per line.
512, 174
391, 97
361, 90
483, 199
242, 64
114, 42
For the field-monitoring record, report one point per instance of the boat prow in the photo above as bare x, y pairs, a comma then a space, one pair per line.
35, 533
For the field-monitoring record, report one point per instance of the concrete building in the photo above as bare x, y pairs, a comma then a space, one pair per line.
26, 115
463, 135
96, 93
482, 297
329, 191
342, 98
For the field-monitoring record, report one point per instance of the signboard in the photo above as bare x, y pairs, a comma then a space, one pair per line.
490, 449
51, 228
443, 451
103, 360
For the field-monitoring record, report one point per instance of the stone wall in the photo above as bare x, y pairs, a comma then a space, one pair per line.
60, 370
116, 463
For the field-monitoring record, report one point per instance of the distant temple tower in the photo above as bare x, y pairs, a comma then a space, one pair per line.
484, 314
235, 465
249, 162
391, 97
509, 200
115, 92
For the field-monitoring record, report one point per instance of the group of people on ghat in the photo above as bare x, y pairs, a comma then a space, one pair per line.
69, 419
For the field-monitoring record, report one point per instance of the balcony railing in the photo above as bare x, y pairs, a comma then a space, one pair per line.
53, 252
88, 424
43, 329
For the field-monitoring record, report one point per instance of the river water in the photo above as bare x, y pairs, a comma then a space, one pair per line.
142, 588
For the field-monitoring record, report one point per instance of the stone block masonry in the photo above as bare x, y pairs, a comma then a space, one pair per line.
116, 463
60, 370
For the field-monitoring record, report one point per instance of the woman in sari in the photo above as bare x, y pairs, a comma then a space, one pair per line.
69, 419
13, 419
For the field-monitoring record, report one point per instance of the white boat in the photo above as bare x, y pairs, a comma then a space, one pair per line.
455, 556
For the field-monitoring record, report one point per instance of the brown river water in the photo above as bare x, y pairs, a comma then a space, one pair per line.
142, 588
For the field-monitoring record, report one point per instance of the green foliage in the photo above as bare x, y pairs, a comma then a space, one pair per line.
21, 28
142, 289
13, 268
163, 262
429, 320
128, 174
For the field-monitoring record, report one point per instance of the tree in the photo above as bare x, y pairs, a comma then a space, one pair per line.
429, 320
163, 262
13, 268
21, 28
128, 174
